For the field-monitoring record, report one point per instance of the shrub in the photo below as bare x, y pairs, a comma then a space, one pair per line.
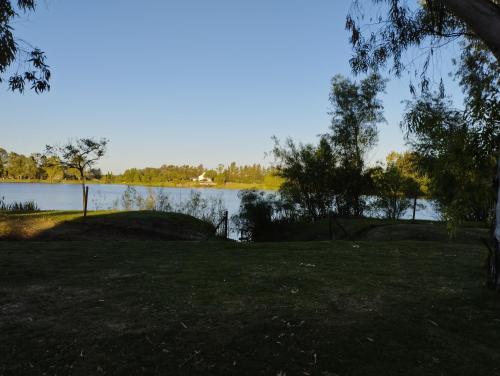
260, 213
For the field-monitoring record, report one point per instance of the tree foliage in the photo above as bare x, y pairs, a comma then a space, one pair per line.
456, 156
398, 185
356, 112
261, 214
309, 175
32, 70
80, 156
383, 32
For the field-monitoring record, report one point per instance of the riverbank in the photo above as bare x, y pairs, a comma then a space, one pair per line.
231, 186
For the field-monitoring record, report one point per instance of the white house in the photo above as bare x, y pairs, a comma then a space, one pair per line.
203, 179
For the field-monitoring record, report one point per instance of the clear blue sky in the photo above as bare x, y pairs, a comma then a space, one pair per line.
186, 81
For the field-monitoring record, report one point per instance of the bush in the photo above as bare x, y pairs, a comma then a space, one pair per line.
260, 213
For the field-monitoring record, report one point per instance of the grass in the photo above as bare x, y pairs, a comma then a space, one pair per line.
373, 229
102, 225
144, 225
225, 308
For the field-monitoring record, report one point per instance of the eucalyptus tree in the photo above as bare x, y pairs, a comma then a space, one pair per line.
356, 112
80, 155
454, 156
385, 34
32, 69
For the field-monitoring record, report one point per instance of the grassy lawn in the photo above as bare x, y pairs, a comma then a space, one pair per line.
222, 308
374, 229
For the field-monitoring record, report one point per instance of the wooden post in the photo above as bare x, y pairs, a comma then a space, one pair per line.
330, 229
86, 200
414, 208
226, 230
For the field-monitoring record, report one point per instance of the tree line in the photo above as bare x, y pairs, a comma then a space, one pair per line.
452, 158
38, 166
222, 174
48, 167
333, 174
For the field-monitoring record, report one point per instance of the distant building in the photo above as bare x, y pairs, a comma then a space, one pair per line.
203, 180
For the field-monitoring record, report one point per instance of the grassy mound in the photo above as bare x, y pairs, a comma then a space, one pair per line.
103, 225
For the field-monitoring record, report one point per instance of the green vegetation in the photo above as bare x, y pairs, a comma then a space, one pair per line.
32, 71
399, 185
18, 206
78, 156
263, 218
183, 308
459, 148
333, 175
50, 168
103, 225
459, 158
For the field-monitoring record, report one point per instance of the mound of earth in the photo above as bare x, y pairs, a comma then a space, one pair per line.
133, 225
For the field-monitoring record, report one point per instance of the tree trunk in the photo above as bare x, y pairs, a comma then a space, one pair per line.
82, 178
83, 195
483, 17
494, 264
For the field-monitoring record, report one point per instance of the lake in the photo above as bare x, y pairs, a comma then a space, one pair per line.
104, 196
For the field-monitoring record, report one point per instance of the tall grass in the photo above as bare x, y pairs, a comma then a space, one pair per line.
209, 209
18, 207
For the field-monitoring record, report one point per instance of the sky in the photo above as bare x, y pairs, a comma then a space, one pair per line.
187, 81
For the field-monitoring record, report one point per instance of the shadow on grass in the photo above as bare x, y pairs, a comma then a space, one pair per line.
374, 229
136, 225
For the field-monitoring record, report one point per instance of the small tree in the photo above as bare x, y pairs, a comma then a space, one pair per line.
356, 112
393, 191
308, 172
79, 155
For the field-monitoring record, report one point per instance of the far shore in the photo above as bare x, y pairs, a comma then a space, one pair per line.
234, 186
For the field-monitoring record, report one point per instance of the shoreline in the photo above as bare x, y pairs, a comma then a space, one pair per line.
229, 186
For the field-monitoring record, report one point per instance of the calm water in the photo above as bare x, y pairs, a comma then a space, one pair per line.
103, 196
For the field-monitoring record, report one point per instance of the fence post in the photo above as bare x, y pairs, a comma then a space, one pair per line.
86, 201
226, 230
330, 230
414, 208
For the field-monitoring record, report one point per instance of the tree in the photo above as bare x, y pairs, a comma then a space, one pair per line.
356, 111
4, 158
80, 155
53, 169
20, 166
13, 49
308, 172
459, 163
396, 186
407, 164
261, 215
429, 27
